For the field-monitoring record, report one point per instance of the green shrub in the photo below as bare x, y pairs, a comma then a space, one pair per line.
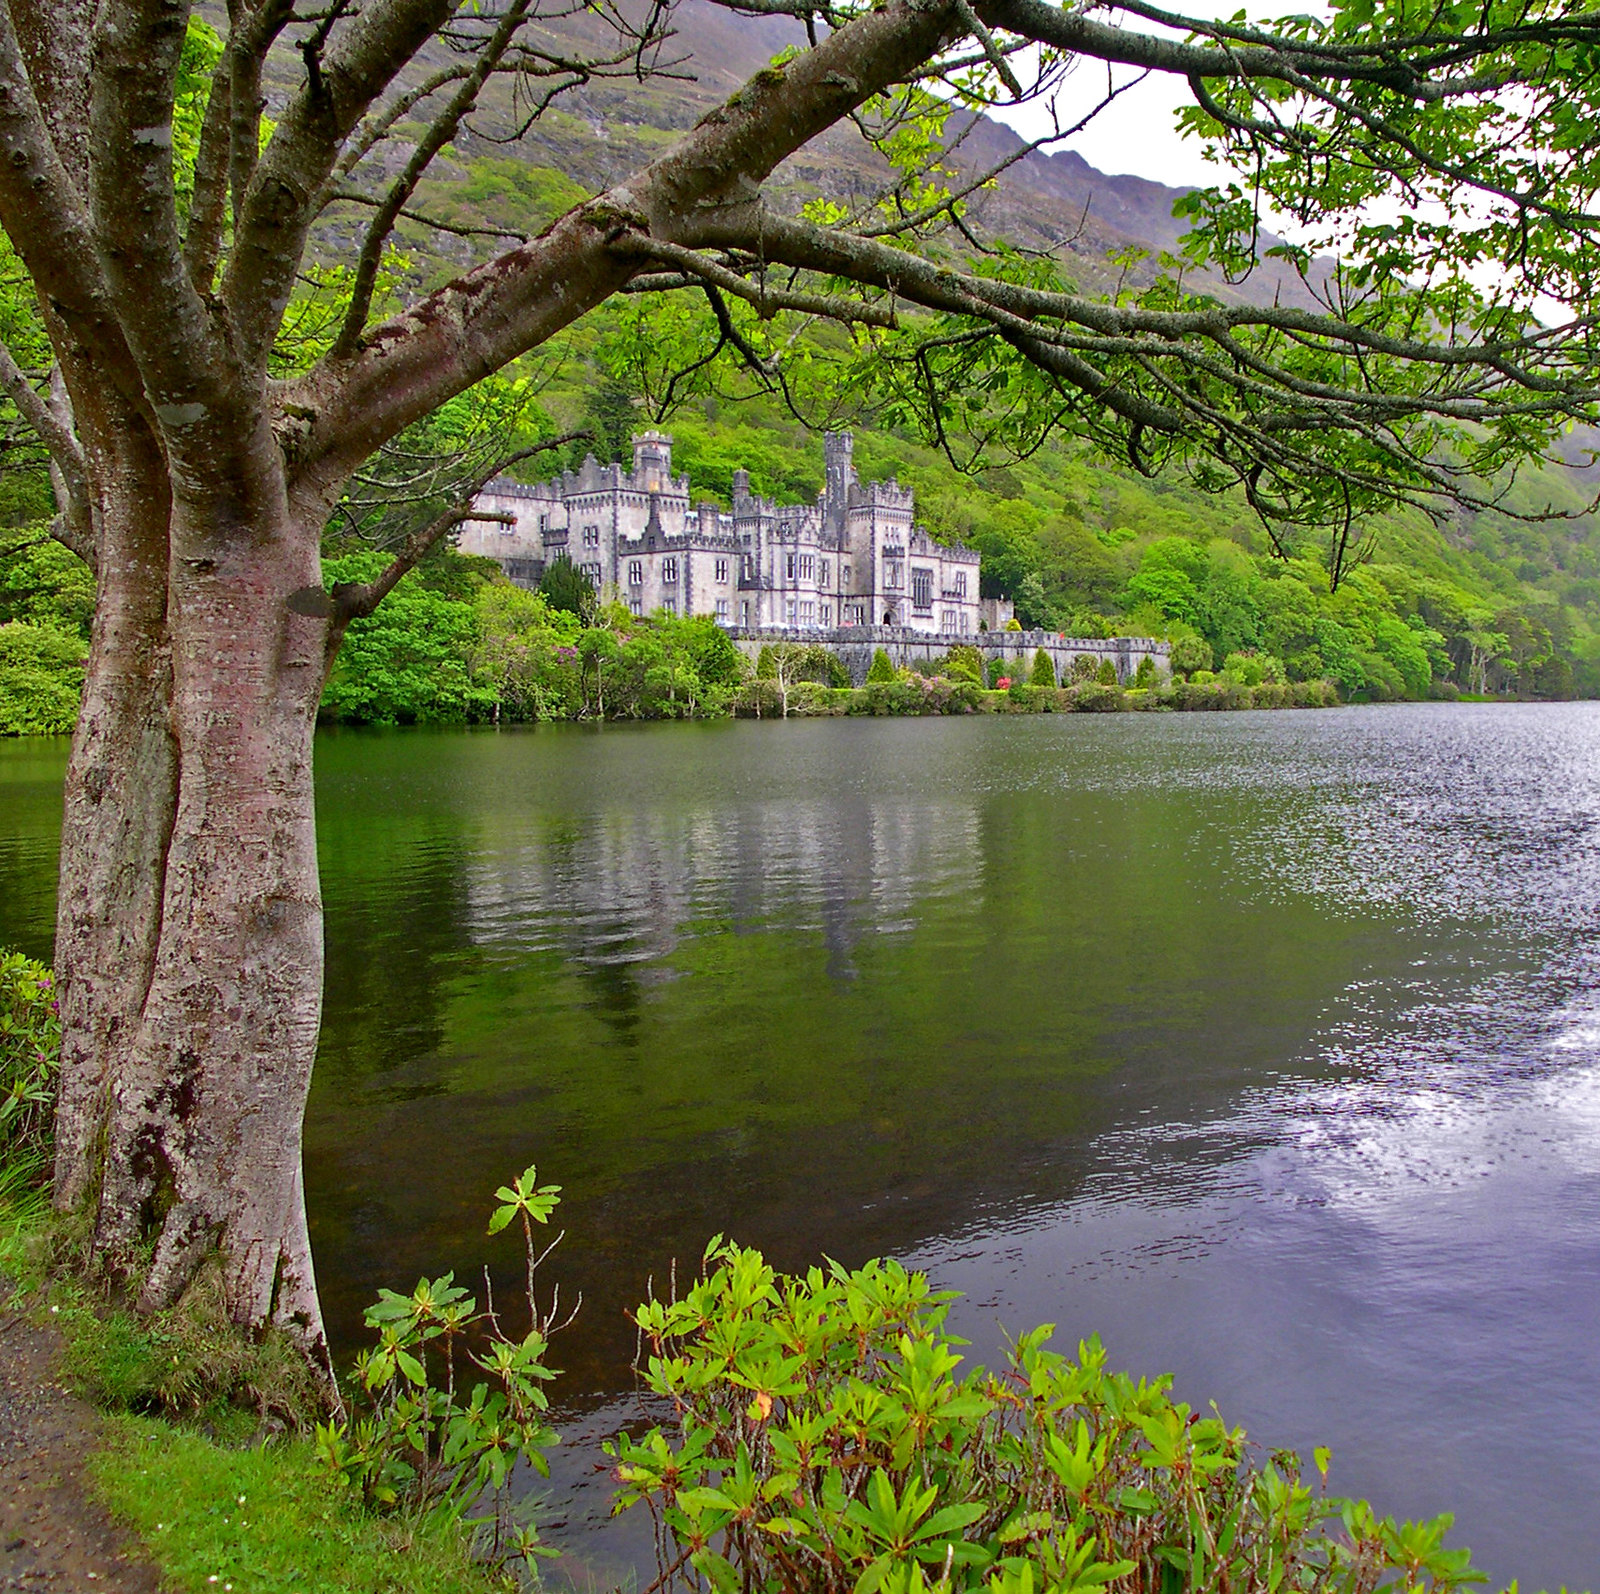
1315, 694
408, 663
1084, 666
758, 699
1044, 672
882, 667
823, 1440
1095, 697
1106, 675
961, 663
810, 698
425, 1438
565, 587
30, 1055
1147, 675
41, 679
767, 663
1189, 654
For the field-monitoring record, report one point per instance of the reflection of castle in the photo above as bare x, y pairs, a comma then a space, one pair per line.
623, 888
855, 557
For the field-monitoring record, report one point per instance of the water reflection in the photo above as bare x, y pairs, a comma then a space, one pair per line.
1266, 1045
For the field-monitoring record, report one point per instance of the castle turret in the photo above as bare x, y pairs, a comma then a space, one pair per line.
838, 451
652, 461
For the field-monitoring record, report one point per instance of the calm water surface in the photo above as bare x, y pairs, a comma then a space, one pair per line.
1265, 1045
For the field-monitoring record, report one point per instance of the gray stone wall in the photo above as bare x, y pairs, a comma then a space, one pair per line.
854, 646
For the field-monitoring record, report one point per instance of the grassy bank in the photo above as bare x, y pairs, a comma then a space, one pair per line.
199, 1452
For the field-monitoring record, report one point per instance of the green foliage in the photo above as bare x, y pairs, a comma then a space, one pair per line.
41, 678
30, 1055
421, 1438
825, 1438
1106, 675
526, 654
1251, 669
409, 663
564, 586
962, 663
882, 667
767, 663
1190, 653
610, 417
1044, 672
44, 584
1146, 675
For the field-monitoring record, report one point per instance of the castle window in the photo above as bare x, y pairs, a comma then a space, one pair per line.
894, 573
808, 567
722, 570
592, 571
749, 569
669, 606
635, 606
544, 524
827, 615
788, 612
921, 587
744, 612
636, 572
591, 536
788, 567
844, 575
961, 584
722, 611
669, 569
808, 614
824, 572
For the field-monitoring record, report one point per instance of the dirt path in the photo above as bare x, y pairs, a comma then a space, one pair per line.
53, 1535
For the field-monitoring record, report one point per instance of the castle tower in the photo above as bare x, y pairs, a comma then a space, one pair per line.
652, 460
838, 449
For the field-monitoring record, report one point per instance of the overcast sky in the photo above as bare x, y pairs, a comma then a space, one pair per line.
1134, 134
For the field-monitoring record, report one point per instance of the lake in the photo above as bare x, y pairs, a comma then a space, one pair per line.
1267, 1046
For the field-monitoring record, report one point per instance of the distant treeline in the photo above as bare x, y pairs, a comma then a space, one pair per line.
455, 643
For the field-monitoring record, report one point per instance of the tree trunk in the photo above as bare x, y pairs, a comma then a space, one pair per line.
191, 916
121, 791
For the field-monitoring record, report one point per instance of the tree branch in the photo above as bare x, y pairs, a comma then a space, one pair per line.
768, 301
440, 131
275, 212
58, 440
453, 337
356, 600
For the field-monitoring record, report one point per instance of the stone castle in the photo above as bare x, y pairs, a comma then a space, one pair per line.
854, 558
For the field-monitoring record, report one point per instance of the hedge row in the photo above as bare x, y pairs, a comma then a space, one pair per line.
763, 699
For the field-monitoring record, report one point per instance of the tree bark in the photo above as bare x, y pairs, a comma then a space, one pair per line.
194, 954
